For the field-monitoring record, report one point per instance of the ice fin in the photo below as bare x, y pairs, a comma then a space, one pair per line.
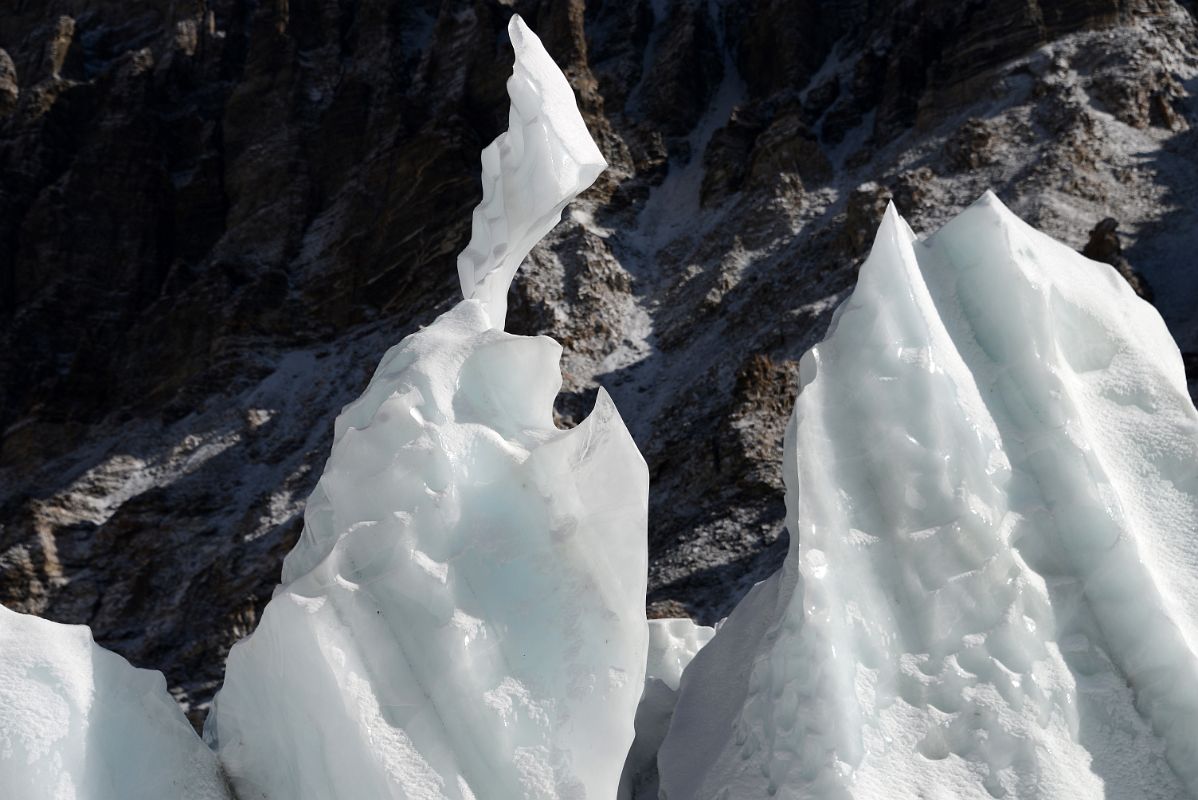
544, 160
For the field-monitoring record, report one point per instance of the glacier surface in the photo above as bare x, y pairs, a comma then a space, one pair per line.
992, 582
464, 614
77, 722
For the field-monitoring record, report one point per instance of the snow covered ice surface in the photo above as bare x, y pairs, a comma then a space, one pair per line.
992, 582
463, 616
77, 722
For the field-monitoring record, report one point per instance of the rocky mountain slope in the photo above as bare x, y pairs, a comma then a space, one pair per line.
215, 215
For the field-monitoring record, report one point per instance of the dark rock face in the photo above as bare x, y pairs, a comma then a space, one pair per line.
215, 215
1104, 246
686, 68
10, 90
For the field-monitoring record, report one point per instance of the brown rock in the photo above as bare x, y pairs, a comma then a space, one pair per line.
10, 90
911, 191
782, 43
1104, 246
863, 211
617, 36
666, 609
686, 69
1140, 99
789, 146
971, 146
1104, 242
726, 160
58, 46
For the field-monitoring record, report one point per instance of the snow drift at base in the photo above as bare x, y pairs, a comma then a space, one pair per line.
992, 582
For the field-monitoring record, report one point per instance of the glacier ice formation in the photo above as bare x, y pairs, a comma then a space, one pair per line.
991, 588
544, 160
992, 582
77, 722
672, 645
463, 616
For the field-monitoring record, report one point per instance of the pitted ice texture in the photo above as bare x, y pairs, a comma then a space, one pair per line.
992, 582
464, 613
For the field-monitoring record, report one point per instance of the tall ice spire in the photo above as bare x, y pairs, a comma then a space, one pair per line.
531, 171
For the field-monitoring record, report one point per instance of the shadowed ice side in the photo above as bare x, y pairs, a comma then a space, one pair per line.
992, 582
463, 616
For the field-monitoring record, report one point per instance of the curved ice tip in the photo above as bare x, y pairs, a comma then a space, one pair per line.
522, 37
530, 172
558, 103
516, 28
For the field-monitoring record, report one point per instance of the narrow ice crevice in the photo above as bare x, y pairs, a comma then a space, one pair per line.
673, 644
